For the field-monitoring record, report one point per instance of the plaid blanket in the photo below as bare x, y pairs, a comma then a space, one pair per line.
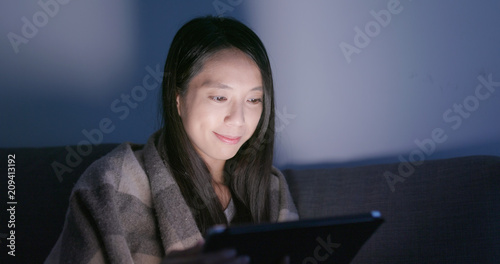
127, 208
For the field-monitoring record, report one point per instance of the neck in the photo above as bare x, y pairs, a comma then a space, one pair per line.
217, 171
221, 190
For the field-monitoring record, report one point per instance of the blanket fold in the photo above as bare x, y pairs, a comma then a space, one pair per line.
127, 208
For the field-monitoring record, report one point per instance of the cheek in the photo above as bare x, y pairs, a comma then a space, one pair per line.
254, 120
202, 118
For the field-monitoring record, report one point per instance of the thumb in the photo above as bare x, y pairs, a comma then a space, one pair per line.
195, 249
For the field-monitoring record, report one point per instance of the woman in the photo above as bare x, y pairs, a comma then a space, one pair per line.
211, 163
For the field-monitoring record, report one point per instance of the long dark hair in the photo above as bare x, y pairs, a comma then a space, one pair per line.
248, 173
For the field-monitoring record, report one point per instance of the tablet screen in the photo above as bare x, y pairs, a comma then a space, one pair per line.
324, 240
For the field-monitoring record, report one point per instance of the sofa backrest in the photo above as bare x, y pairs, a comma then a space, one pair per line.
445, 211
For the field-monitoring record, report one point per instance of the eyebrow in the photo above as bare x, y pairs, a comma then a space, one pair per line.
209, 84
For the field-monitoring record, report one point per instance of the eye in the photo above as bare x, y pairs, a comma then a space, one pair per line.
255, 100
218, 98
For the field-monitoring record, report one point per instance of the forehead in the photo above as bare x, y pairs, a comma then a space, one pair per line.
227, 53
228, 68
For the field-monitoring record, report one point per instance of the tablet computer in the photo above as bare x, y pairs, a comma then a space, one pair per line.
325, 240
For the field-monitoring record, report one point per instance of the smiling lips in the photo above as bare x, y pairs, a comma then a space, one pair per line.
228, 139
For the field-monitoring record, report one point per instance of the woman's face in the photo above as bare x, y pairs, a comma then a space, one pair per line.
222, 105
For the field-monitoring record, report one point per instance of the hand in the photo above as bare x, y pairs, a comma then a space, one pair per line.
196, 255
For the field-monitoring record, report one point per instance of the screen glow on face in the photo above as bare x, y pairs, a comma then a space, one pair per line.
222, 106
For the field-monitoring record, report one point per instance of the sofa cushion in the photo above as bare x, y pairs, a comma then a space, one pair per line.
446, 211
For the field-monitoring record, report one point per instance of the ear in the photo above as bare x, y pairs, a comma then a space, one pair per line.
178, 103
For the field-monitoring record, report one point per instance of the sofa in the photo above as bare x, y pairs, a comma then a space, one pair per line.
435, 211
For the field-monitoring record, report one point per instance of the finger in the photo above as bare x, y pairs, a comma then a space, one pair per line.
194, 250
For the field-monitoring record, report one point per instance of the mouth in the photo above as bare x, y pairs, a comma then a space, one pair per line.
228, 139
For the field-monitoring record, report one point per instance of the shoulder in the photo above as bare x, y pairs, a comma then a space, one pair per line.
107, 169
278, 180
121, 169
283, 207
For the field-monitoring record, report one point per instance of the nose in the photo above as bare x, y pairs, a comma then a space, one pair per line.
235, 115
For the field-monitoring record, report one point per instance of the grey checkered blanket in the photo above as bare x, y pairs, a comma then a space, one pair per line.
127, 208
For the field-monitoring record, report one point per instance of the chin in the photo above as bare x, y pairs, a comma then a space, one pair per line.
226, 155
